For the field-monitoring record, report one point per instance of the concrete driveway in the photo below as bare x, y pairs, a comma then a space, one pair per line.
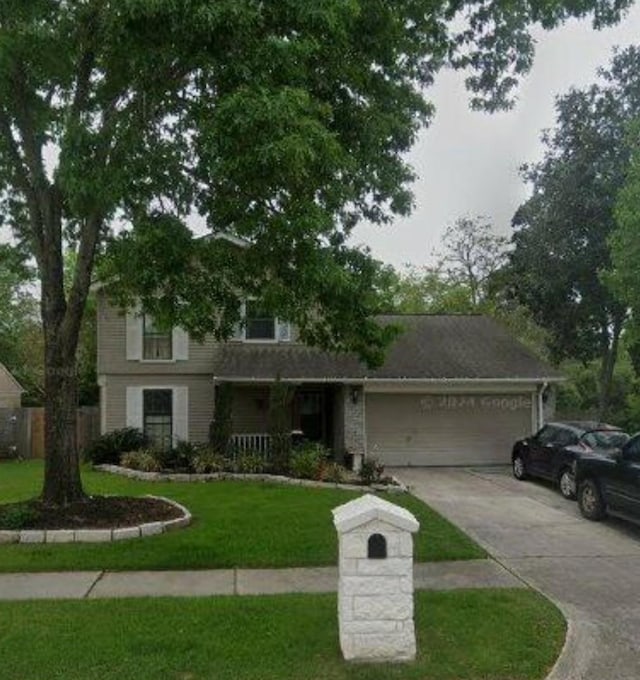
591, 570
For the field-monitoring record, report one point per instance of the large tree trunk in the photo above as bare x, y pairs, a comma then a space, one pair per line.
61, 320
609, 358
62, 483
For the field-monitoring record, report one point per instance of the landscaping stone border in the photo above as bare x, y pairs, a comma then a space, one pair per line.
396, 487
100, 535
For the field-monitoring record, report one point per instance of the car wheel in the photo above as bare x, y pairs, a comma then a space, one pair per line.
590, 501
567, 484
519, 468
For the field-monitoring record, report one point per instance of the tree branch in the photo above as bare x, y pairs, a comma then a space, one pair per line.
23, 183
32, 143
89, 238
83, 82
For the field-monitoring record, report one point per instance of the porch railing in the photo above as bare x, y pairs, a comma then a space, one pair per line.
253, 443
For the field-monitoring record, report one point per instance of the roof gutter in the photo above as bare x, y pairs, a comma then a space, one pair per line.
417, 381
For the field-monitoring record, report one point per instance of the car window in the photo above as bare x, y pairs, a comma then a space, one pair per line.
546, 435
565, 437
632, 449
605, 439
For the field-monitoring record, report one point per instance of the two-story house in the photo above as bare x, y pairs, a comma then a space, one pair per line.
454, 390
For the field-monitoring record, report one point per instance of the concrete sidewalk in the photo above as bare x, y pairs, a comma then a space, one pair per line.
107, 584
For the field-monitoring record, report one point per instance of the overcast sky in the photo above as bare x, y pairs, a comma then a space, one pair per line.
467, 162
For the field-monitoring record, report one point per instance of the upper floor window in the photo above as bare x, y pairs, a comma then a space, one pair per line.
259, 324
156, 344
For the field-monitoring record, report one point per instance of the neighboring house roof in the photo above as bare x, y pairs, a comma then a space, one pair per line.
433, 347
8, 384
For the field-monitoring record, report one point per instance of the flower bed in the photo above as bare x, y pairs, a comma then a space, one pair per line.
187, 461
160, 515
392, 486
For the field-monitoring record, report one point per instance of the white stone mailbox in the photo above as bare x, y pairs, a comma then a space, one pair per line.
375, 590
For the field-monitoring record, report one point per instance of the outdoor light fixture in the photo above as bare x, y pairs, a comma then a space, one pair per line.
355, 395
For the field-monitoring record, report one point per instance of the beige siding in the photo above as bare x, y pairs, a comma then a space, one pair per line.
200, 400
441, 429
250, 413
10, 391
112, 349
10, 400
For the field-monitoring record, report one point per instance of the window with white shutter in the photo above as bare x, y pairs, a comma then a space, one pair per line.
180, 344
134, 336
134, 407
157, 343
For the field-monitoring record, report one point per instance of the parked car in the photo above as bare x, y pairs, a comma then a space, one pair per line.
552, 452
609, 483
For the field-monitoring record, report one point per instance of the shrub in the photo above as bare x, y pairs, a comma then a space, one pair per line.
145, 461
17, 517
251, 463
309, 462
335, 473
178, 458
371, 471
207, 461
108, 448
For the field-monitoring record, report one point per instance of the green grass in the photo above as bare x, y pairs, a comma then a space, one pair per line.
462, 635
236, 524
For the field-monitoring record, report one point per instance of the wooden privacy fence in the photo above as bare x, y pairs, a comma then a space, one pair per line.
22, 430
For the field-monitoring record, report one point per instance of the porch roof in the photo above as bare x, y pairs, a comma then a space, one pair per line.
432, 347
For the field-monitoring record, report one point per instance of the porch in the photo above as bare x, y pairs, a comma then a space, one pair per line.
331, 414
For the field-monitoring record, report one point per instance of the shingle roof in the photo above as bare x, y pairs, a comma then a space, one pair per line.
432, 347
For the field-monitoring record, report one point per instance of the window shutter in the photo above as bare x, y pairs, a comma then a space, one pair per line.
284, 331
238, 332
180, 414
180, 341
134, 336
134, 407
238, 329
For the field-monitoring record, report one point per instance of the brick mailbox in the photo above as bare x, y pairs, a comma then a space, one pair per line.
375, 590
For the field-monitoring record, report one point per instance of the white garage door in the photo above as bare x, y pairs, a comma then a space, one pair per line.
434, 429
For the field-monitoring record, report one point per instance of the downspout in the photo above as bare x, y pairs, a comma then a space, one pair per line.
543, 389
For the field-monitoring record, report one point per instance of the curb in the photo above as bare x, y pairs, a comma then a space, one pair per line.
573, 661
35, 536
398, 487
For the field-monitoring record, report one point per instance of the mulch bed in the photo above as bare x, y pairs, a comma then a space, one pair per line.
96, 512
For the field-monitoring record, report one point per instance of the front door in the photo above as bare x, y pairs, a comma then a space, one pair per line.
310, 407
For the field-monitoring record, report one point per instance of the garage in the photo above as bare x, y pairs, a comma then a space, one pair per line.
424, 429
452, 390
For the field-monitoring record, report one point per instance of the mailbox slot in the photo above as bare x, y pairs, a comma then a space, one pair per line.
377, 547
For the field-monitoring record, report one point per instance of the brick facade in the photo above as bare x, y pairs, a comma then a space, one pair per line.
354, 423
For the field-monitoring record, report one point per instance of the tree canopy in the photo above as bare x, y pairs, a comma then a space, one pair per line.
20, 331
459, 282
282, 123
562, 231
625, 245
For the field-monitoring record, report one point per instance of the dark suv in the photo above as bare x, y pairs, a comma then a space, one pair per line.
611, 483
552, 452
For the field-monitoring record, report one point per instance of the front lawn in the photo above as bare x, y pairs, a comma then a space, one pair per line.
462, 635
237, 524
